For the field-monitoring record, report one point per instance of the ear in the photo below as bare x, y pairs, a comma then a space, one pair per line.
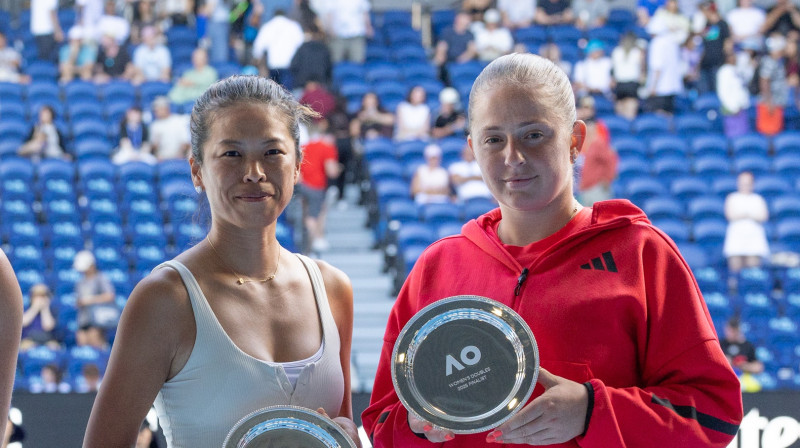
469, 142
577, 139
197, 178
297, 173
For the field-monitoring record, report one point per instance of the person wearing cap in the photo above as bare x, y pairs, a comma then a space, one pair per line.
152, 60
593, 74
94, 294
493, 40
10, 333
38, 321
450, 120
431, 182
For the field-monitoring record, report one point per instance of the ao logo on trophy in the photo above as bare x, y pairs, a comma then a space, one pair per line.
470, 355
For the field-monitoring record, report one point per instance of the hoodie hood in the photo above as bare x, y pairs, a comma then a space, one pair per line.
605, 215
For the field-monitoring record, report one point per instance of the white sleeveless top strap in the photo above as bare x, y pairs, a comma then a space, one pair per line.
220, 383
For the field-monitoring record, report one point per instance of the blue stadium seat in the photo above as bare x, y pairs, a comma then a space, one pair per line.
663, 207
723, 185
564, 34
709, 233
632, 168
32, 360
17, 130
61, 209
786, 206
117, 90
710, 167
448, 229
402, 210
750, 145
409, 53
707, 102
787, 142
42, 71
688, 187
181, 35
13, 110
149, 90
400, 36
641, 189
11, 92
787, 232
20, 233
754, 280
670, 167
92, 148
693, 125
714, 145
390, 190
97, 178
92, 128
440, 213
79, 356
186, 234
668, 146
179, 199
710, 280
171, 170
677, 229
80, 91
759, 165
475, 207
80, 109
647, 126
621, 19
532, 36
706, 207
413, 71
771, 186
787, 166
464, 70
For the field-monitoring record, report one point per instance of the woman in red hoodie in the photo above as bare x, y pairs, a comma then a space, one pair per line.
628, 353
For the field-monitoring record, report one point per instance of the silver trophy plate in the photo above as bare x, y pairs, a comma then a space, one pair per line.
465, 363
287, 427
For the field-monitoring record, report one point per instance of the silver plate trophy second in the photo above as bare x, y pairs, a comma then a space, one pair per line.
287, 427
465, 363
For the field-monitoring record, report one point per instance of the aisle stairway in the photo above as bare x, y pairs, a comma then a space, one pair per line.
351, 251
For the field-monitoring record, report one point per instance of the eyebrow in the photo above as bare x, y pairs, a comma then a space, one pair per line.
269, 141
519, 125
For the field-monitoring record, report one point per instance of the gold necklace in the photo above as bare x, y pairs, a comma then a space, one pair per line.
239, 279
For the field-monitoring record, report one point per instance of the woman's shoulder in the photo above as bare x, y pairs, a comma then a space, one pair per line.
161, 293
336, 281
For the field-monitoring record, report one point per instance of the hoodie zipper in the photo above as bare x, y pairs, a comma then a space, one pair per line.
520, 280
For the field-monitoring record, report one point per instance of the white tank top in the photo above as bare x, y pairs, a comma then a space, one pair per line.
220, 383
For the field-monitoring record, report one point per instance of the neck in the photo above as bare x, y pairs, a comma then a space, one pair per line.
520, 228
252, 254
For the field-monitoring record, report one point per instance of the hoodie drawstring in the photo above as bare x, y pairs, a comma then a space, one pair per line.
520, 280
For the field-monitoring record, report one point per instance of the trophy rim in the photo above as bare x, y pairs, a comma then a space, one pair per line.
312, 417
522, 390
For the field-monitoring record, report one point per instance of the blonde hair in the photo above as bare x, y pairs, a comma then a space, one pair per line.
530, 70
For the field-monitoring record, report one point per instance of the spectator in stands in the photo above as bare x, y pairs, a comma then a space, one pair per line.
270, 8
492, 40
194, 81
552, 52
94, 295
152, 60
664, 74
88, 18
244, 31
466, 178
304, 13
598, 164
691, 54
169, 133
348, 25
716, 41
320, 163
175, 12
628, 61
275, 46
431, 182
554, 12
745, 22
742, 354
413, 117
773, 87
11, 331
10, 61
78, 56
45, 141
792, 60
218, 29
318, 98
668, 19
268, 315
50, 381
517, 13
590, 13
110, 23
451, 119
113, 61
312, 60
734, 98
38, 321
476, 8
592, 75
371, 120
783, 19
134, 143
46, 29
91, 378
456, 44
144, 16
745, 240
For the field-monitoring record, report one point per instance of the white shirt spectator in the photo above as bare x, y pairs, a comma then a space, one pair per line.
41, 20
169, 136
594, 74
491, 44
731, 90
91, 11
279, 38
627, 67
152, 61
345, 18
664, 66
518, 11
113, 25
745, 22
10, 61
413, 121
472, 188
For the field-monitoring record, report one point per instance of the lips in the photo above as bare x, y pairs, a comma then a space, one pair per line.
254, 196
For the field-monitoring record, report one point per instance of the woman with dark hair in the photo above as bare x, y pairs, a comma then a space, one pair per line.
413, 116
223, 329
45, 139
372, 120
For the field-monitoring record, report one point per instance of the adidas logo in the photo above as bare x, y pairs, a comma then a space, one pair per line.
597, 263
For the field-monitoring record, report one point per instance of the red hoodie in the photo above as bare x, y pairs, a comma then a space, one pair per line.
610, 302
